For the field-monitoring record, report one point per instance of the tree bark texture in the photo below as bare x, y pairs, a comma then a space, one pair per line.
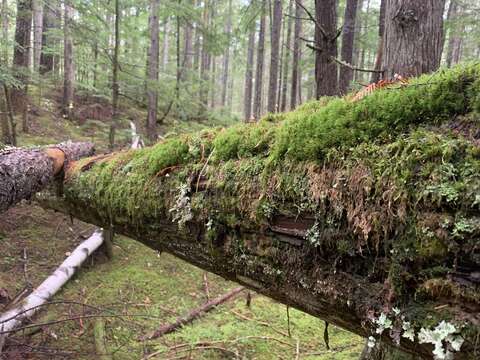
381, 37
272, 105
413, 37
115, 65
326, 77
153, 55
348, 40
248, 96
296, 54
455, 33
23, 172
21, 54
5, 23
68, 65
257, 99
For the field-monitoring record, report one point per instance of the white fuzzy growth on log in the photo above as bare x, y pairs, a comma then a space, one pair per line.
14, 317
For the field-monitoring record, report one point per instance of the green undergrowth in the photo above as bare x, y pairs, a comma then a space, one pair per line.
143, 289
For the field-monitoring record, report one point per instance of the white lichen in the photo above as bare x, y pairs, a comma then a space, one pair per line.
408, 331
444, 339
182, 210
383, 323
371, 342
313, 235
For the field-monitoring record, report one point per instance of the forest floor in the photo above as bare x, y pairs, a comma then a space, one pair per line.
139, 289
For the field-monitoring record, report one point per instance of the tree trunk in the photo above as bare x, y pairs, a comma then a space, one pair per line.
296, 55
456, 29
381, 36
68, 66
49, 23
37, 32
4, 44
153, 56
166, 44
226, 56
205, 58
257, 100
286, 62
326, 77
274, 56
413, 37
348, 39
247, 99
115, 85
24, 172
21, 54
188, 49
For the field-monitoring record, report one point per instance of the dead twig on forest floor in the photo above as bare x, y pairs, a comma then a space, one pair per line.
263, 323
194, 314
205, 286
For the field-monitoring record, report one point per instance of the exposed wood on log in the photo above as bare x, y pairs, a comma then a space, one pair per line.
23, 172
195, 313
13, 318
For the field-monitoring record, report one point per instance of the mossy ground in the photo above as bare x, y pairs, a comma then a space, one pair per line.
138, 281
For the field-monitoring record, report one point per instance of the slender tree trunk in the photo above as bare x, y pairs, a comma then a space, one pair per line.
358, 47
296, 55
247, 99
188, 51
4, 43
274, 56
95, 65
68, 66
166, 45
11, 118
286, 61
115, 85
197, 44
213, 81
348, 39
205, 58
37, 32
21, 54
226, 56
49, 22
454, 34
364, 50
153, 55
413, 37
381, 36
257, 101
326, 77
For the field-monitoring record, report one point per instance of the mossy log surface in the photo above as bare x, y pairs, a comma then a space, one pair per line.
23, 172
363, 214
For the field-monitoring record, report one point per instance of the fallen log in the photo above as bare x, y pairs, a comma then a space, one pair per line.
363, 214
13, 318
23, 172
194, 314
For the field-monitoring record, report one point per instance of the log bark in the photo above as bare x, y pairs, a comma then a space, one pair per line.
13, 318
23, 172
195, 313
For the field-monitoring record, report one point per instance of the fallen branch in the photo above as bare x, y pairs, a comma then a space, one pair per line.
14, 317
23, 172
194, 314
99, 335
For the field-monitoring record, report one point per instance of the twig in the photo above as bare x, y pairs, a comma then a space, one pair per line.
325, 336
288, 321
205, 282
297, 351
263, 323
194, 314
312, 18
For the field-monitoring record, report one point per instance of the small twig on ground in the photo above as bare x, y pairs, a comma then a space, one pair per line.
205, 286
288, 321
297, 350
263, 323
194, 314
325, 336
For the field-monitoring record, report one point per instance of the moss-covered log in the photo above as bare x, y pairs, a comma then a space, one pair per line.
23, 172
364, 214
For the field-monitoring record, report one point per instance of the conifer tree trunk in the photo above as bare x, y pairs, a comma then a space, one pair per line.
381, 36
205, 58
68, 66
454, 34
413, 37
274, 56
296, 55
226, 56
21, 54
286, 62
4, 43
153, 56
166, 44
348, 38
115, 85
188, 51
257, 101
247, 99
49, 23
37, 32
326, 77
